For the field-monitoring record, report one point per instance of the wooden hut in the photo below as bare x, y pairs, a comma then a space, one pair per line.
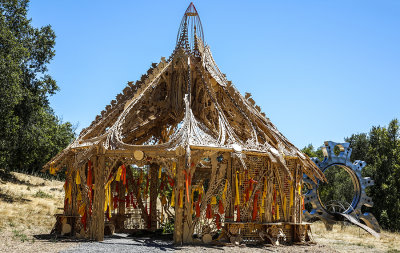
181, 148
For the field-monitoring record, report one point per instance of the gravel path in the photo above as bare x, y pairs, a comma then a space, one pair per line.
123, 243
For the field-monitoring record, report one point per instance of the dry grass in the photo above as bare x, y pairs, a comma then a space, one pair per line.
352, 238
27, 208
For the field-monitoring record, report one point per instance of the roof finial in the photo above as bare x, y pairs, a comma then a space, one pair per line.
189, 29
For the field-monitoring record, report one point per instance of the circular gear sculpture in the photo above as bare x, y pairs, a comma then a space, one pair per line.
352, 212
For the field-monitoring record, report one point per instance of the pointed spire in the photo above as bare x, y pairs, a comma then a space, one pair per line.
190, 29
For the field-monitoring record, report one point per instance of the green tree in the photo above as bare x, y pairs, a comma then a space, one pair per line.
381, 150
30, 133
311, 152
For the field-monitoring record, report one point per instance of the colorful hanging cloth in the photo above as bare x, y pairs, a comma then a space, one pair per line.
159, 172
119, 174
123, 174
173, 198
78, 178
218, 221
255, 206
89, 176
221, 209
237, 199
291, 195
198, 208
187, 176
209, 212
181, 198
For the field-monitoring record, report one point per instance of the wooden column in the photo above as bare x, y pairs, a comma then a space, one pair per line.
96, 229
180, 179
74, 190
153, 195
68, 207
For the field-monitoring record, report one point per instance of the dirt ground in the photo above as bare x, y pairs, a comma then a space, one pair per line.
28, 205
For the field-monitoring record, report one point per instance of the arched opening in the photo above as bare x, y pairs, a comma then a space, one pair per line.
340, 193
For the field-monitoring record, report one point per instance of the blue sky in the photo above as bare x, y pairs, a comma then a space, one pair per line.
320, 70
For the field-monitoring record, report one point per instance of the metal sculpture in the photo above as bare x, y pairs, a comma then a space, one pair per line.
333, 212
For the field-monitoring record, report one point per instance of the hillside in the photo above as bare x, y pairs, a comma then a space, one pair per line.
27, 206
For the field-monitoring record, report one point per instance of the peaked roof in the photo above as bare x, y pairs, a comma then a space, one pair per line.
185, 101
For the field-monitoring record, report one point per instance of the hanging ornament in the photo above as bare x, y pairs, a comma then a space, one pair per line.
213, 200
77, 178
173, 198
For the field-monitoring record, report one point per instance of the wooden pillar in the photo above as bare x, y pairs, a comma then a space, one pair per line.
68, 207
96, 229
74, 190
153, 195
178, 227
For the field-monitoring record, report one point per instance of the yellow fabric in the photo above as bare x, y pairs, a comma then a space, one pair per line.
299, 189
77, 178
213, 200
68, 188
159, 172
118, 176
181, 198
225, 188
237, 199
82, 209
79, 198
173, 198
291, 195
174, 168
277, 212
108, 196
52, 170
